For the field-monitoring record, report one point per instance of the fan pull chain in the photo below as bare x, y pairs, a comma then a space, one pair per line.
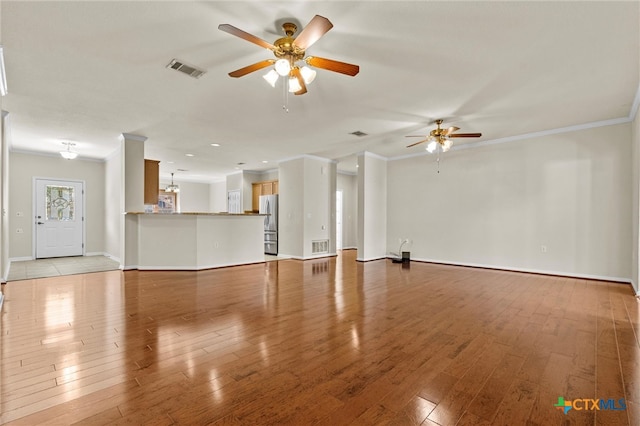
285, 95
438, 159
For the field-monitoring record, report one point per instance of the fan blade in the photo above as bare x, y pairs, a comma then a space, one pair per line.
245, 35
465, 135
251, 68
417, 143
416, 136
316, 28
303, 87
331, 65
451, 130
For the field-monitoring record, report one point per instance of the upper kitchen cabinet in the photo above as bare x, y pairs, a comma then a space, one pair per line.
268, 187
151, 181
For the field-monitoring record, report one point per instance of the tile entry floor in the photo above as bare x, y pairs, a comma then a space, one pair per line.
56, 266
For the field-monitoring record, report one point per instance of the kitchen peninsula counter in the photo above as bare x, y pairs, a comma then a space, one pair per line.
193, 240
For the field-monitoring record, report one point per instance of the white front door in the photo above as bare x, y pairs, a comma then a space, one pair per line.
59, 218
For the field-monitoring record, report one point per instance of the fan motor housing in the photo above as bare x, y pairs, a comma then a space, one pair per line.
285, 48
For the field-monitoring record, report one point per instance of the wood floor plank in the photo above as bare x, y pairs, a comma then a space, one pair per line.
326, 341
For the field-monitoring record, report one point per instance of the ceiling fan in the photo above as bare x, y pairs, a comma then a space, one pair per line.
442, 137
289, 51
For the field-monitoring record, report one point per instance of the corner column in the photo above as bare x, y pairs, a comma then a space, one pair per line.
372, 207
132, 190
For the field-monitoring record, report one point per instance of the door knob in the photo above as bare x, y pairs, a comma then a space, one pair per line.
40, 223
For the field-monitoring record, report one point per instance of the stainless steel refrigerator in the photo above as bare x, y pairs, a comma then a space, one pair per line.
269, 207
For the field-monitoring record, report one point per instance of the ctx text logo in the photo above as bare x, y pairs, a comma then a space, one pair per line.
588, 404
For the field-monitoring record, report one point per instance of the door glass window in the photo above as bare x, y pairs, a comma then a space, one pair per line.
60, 203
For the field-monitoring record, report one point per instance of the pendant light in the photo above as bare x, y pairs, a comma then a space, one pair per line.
173, 187
68, 154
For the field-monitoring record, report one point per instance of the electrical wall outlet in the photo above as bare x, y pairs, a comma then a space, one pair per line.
19, 231
543, 248
20, 214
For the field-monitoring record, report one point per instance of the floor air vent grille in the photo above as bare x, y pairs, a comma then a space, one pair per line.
320, 246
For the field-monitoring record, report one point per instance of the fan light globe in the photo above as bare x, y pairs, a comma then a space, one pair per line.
294, 85
282, 67
68, 155
308, 75
446, 145
432, 146
271, 77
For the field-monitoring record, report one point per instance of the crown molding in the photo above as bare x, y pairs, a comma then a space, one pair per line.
372, 155
308, 157
132, 137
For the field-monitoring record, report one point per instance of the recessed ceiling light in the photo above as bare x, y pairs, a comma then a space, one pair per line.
215, 144
265, 161
170, 162
189, 155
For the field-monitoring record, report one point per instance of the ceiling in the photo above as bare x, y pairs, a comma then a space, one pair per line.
87, 72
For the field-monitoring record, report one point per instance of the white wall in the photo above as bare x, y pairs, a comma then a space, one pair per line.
269, 175
497, 206
114, 204
218, 196
133, 176
234, 183
348, 184
247, 188
24, 167
291, 208
372, 210
307, 205
319, 204
4, 199
635, 199
193, 196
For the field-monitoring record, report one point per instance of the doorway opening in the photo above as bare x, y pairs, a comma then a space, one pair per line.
234, 204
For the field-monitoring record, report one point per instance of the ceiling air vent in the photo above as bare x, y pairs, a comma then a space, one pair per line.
185, 69
358, 133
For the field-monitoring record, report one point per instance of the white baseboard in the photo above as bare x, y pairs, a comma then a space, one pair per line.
193, 268
529, 271
317, 256
281, 256
370, 259
20, 259
115, 259
96, 253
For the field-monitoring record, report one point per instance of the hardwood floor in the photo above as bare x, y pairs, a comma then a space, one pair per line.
328, 341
